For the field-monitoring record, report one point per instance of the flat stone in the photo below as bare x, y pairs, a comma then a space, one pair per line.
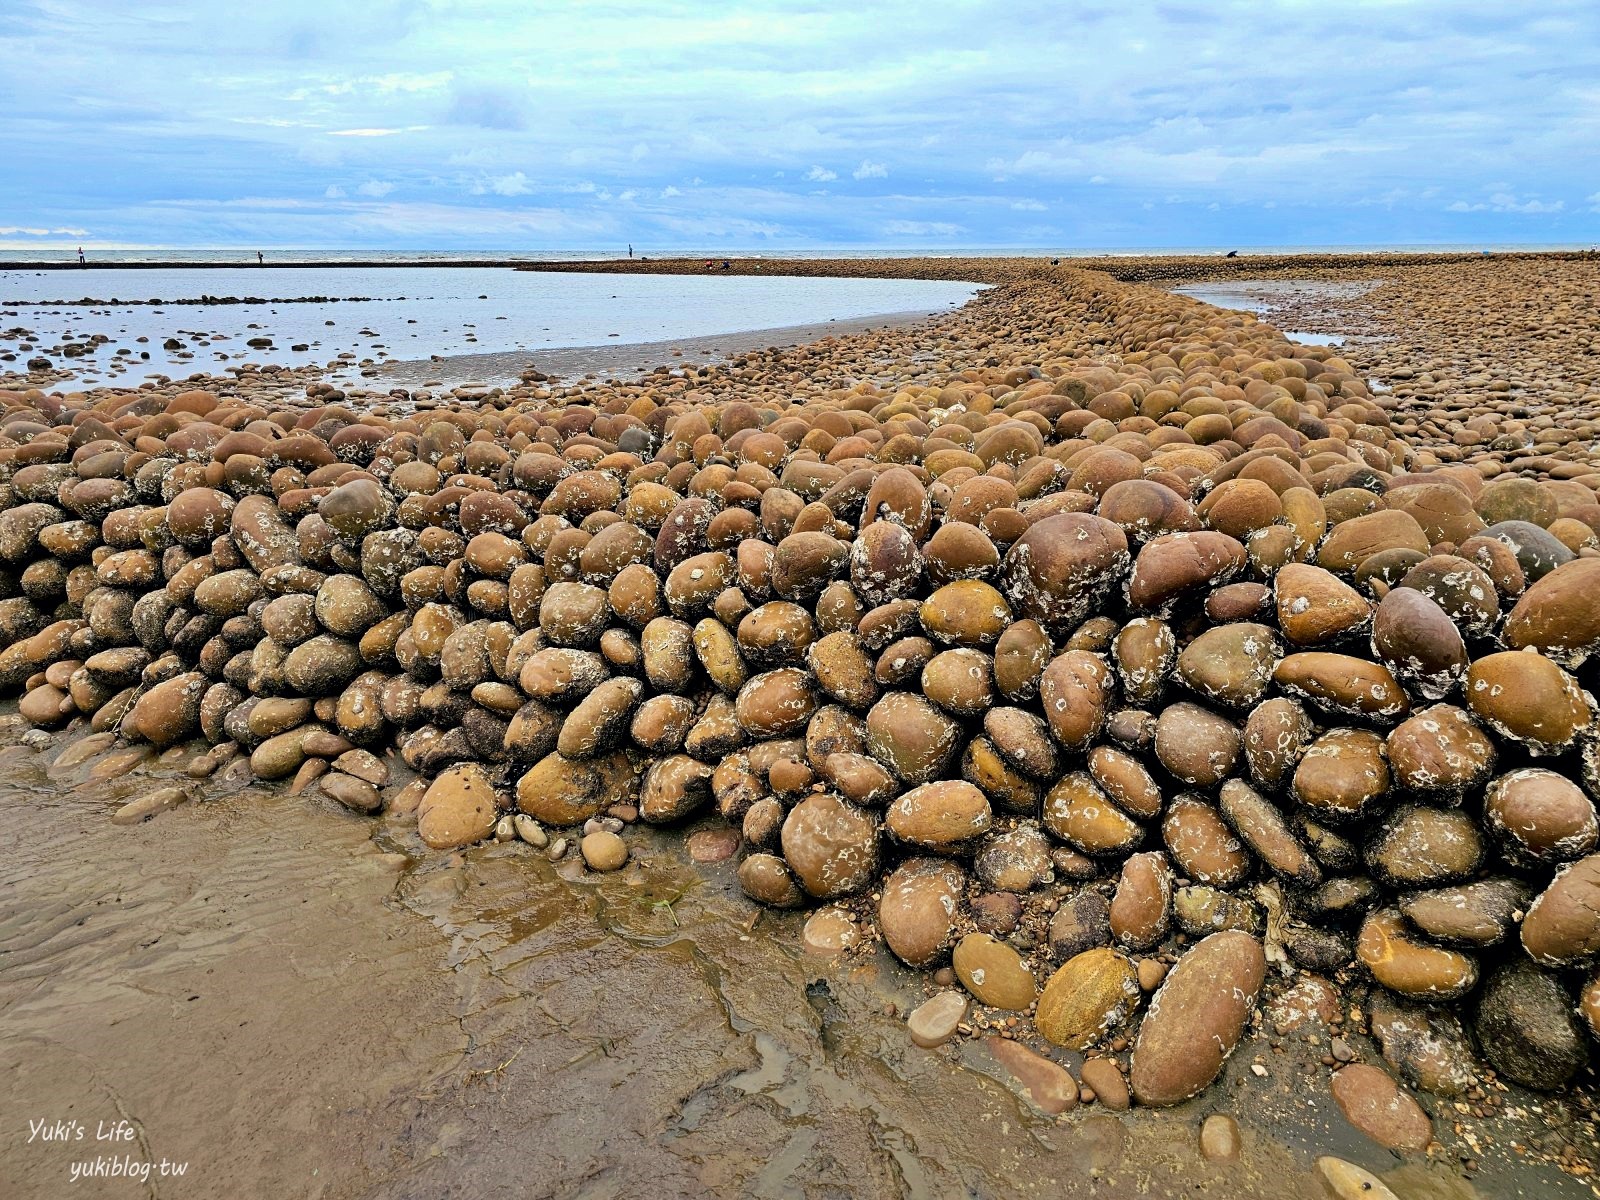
1219, 1138
119, 762
1346, 1181
84, 749
713, 845
147, 806
1047, 1084
1375, 1104
933, 1022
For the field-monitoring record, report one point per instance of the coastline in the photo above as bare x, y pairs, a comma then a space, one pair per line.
632, 358
1131, 267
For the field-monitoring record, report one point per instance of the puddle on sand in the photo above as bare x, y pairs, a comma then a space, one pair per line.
1281, 301
297, 1001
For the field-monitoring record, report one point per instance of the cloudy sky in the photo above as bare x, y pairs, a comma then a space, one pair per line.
510, 125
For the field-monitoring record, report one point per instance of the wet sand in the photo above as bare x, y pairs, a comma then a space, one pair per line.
293, 1003
623, 359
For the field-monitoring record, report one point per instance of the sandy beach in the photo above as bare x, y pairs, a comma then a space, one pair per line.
692, 767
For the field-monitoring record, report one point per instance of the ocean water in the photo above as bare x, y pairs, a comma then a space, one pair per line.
246, 255
379, 314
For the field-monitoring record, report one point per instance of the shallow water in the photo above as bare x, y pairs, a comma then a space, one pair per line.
413, 313
292, 1000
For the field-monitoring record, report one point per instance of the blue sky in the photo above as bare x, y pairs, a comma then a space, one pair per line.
508, 126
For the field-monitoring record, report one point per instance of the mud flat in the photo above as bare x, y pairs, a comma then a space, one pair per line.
1091, 689
620, 360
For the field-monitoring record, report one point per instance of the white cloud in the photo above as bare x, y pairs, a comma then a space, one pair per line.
376, 188
923, 229
1509, 202
30, 231
375, 131
514, 184
382, 85
461, 105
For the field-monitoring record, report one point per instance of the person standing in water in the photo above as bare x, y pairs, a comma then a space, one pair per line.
261, 260
81, 261
630, 249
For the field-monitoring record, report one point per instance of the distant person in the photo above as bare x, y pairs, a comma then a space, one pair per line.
726, 264
630, 249
708, 264
261, 259
1055, 262
81, 260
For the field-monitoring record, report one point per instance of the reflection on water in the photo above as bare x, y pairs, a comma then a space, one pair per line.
408, 313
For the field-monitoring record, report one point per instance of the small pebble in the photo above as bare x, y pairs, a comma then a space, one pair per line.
934, 1022
1219, 1138
530, 831
1101, 1076
602, 850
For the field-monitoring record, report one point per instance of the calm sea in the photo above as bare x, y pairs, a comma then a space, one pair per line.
380, 314
247, 254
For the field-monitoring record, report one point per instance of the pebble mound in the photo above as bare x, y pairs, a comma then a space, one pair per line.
1089, 609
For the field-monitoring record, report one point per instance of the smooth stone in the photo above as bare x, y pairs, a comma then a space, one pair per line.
83, 749
933, 1022
459, 808
1048, 1085
1410, 966
830, 931
1088, 995
1562, 927
151, 805
1480, 913
603, 850
355, 794
921, 903
713, 845
1425, 1044
1346, 1181
1196, 1018
1219, 1138
1376, 1105
1110, 1088
993, 972
530, 831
